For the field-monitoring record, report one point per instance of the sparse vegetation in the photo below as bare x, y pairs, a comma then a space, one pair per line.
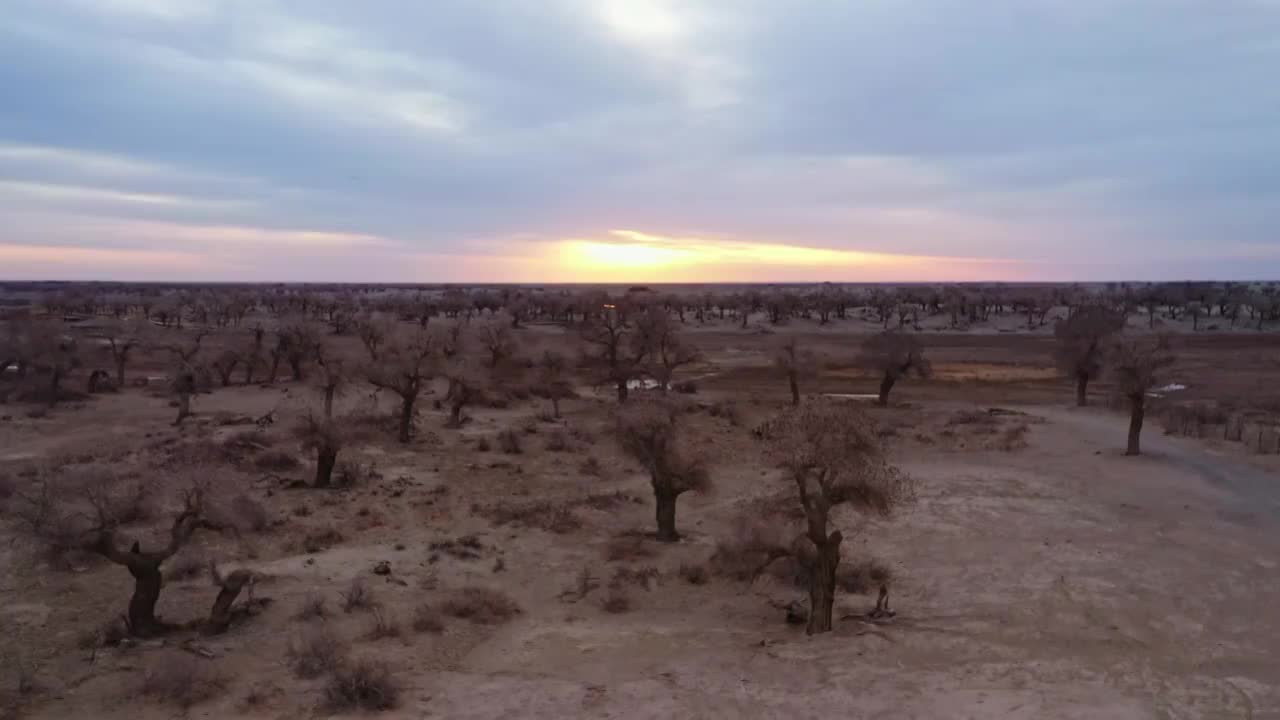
481, 605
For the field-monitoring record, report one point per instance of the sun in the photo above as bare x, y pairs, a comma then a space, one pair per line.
592, 255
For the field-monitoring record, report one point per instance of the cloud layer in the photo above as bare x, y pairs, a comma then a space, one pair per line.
528, 140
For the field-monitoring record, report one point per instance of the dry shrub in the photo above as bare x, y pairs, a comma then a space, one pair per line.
582, 586
321, 539
181, 680
361, 685
643, 577
631, 546
616, 601
1194, 419
357, 596
972, 417
693, 574
108, 634
1014, 438
509, 442
276, 461
727, 409
463, 547
427, 619
314, 607
186, 566
591, 467
246, 442
382, 626
558, 441
609, 501
753, 546
482, 605
354, 471
315, 651
259, 694
482, 445
864, 576
542, 515
249, 514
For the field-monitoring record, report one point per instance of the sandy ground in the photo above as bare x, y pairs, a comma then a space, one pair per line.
1062, 580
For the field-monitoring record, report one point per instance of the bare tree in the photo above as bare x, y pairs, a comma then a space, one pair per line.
466, 386
296, 343
664, 346
1082, 344
122, 337
327, 437
895, 355
145, 567
1137, 364
186, 367
831, 453
615, 352
553, 381
796, 363
497, 339
334, 375
405, 367
649, 433
373, 331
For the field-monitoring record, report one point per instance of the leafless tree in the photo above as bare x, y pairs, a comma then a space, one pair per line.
296, 342
1137, 364
497, 339
122, 337
615, 351
145, 567
373, 331
649, 433
1082, 345
186, 364
553, 381
831, 453
664, 346
796, 363
405, 367
326, 436
334, 374
895, 355
466, 386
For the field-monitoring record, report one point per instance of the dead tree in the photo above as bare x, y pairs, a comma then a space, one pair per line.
373, 331
326, 437
466, 386
229, 586
664, 347
145, 567
796, 363
186, 367
615, 352
553, 382
649, 434
122, 338
42, 346
831, 453
296, 343
1137, 364
405, 367
334, 375
1082, 344
894, 355
497, 339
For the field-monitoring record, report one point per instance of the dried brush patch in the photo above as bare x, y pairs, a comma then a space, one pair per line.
181, 680
481, 605
358, 596
382, 626
427, 619
313, 607
362, 685
314, 652
545, 515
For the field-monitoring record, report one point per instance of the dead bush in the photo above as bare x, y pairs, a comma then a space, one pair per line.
693, 574
628, 547
249, 514
591, 467
181, 680
616, 601
108, 634
863, 576
246, 442
357, 596
509, 442
1013, 438
315, 651
482, 445
187, 566
557, 441
643, 577
276, 461
354, 471
382, 626
542, 515
361, 685
728, 410
482, 605
314, 607
426, 619
463, 547
321, 539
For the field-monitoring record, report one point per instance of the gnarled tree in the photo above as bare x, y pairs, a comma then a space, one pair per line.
667, 350
830, 451
616, 353
649, 433
1137, 364
405, 367
553, 381
1082, 345
796, 363
894, 355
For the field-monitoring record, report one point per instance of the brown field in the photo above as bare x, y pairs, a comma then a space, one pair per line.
1037, 572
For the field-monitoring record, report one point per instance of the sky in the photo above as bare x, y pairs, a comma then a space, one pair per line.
639, 140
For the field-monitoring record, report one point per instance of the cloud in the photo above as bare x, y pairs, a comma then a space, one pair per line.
1117, 139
